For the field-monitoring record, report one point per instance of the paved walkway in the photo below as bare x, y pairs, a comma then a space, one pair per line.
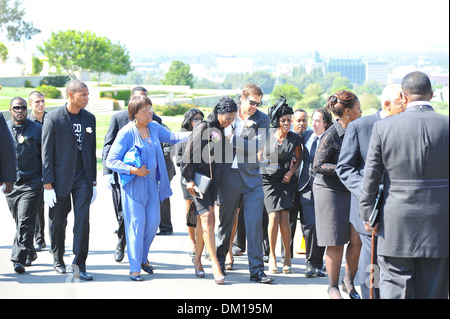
173, 276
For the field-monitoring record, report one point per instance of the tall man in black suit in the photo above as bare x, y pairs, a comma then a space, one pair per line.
410, 151
321, 121
240, 176
118, 121
8, 160
70, 165
350, 169
26, 195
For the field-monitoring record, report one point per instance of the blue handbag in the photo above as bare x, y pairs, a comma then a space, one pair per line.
133, 158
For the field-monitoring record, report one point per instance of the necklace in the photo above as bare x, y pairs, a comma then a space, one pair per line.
147, 139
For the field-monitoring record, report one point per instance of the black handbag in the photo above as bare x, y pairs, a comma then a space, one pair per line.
375, 215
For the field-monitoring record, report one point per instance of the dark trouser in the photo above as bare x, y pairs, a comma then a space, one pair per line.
364, 268
314, 253
230, 191
166, 222
22, 202
81, 197
117, 203
39, 235
413, 278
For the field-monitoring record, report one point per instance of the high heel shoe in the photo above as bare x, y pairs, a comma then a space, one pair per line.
219, 280
273, 269
198, 273
286, 269
353, 294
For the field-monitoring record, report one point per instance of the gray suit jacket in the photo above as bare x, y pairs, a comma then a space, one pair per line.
246, 147
352, 159
60, 149
412, 149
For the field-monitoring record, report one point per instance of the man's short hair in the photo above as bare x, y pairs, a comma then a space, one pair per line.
416, 83
138, 89
252, 89
35, 94
75, 86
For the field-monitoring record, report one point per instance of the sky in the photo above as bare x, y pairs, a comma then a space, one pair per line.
250, 25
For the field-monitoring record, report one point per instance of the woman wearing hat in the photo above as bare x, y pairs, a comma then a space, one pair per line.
276, 157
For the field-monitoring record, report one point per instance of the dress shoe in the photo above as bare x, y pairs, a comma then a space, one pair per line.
119, 254
261, 277
319, 272
60, 269
40, 247
83, 275
165, 232
136, 278
30, 260
19, 268
353, 294
310, 271
147, 268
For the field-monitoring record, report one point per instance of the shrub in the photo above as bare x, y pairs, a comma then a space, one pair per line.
172, 110
28, 84
55, 80
117, 95
49, 91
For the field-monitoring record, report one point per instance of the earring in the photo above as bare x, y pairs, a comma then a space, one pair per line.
348, 116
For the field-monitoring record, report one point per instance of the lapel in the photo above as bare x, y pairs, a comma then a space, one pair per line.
68, 121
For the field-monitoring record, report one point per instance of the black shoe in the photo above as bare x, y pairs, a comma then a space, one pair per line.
19, 268
119, 254
60, 268
83, 275
320, 272
353, 294
40, 247
165, 232
147, 268
310, 271
261, 277
30, 260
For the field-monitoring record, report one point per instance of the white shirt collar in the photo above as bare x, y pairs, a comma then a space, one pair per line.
418, 103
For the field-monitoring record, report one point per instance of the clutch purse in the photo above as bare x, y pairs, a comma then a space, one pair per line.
375, 215
133, 158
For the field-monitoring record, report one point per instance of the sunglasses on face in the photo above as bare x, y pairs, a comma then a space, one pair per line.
251, 102
19, 108
195, 119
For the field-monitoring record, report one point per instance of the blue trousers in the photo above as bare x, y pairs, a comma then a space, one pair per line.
141, 224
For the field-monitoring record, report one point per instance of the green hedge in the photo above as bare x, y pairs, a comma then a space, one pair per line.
49, 91
123, 95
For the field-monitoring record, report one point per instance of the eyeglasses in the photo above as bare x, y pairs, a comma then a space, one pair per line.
19, 108
195, 119
403, 94
146, 109
251, 102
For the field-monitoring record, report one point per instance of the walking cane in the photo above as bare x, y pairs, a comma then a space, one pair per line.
372, 265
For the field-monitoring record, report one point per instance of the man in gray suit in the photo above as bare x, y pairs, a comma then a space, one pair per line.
240, 176
350, 169
410, 151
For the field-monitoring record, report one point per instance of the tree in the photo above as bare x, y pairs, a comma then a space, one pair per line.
72, 51
3, 52
11, 19
37, 65
289, 91
313, 97
178, 74
341, 83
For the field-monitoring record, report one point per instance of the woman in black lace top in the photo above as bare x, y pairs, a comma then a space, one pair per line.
332, 199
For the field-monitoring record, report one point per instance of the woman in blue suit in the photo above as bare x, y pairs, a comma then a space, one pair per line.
143, 179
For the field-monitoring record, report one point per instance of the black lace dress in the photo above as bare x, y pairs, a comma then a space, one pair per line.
331, 197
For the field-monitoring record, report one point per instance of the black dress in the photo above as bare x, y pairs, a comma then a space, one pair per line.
275, 163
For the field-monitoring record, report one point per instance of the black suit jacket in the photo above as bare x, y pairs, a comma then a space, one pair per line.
352, 159
60, 149
306, 177
7, 154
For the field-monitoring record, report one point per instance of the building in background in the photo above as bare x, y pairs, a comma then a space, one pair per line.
352, 69
377, 71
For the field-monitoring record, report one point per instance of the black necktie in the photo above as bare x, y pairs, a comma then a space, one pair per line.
313, 147
17, 130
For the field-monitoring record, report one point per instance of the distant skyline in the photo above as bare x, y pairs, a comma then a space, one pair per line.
249, 25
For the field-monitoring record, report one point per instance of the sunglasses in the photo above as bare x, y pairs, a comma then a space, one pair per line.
19, 108
251, 102
195, 119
